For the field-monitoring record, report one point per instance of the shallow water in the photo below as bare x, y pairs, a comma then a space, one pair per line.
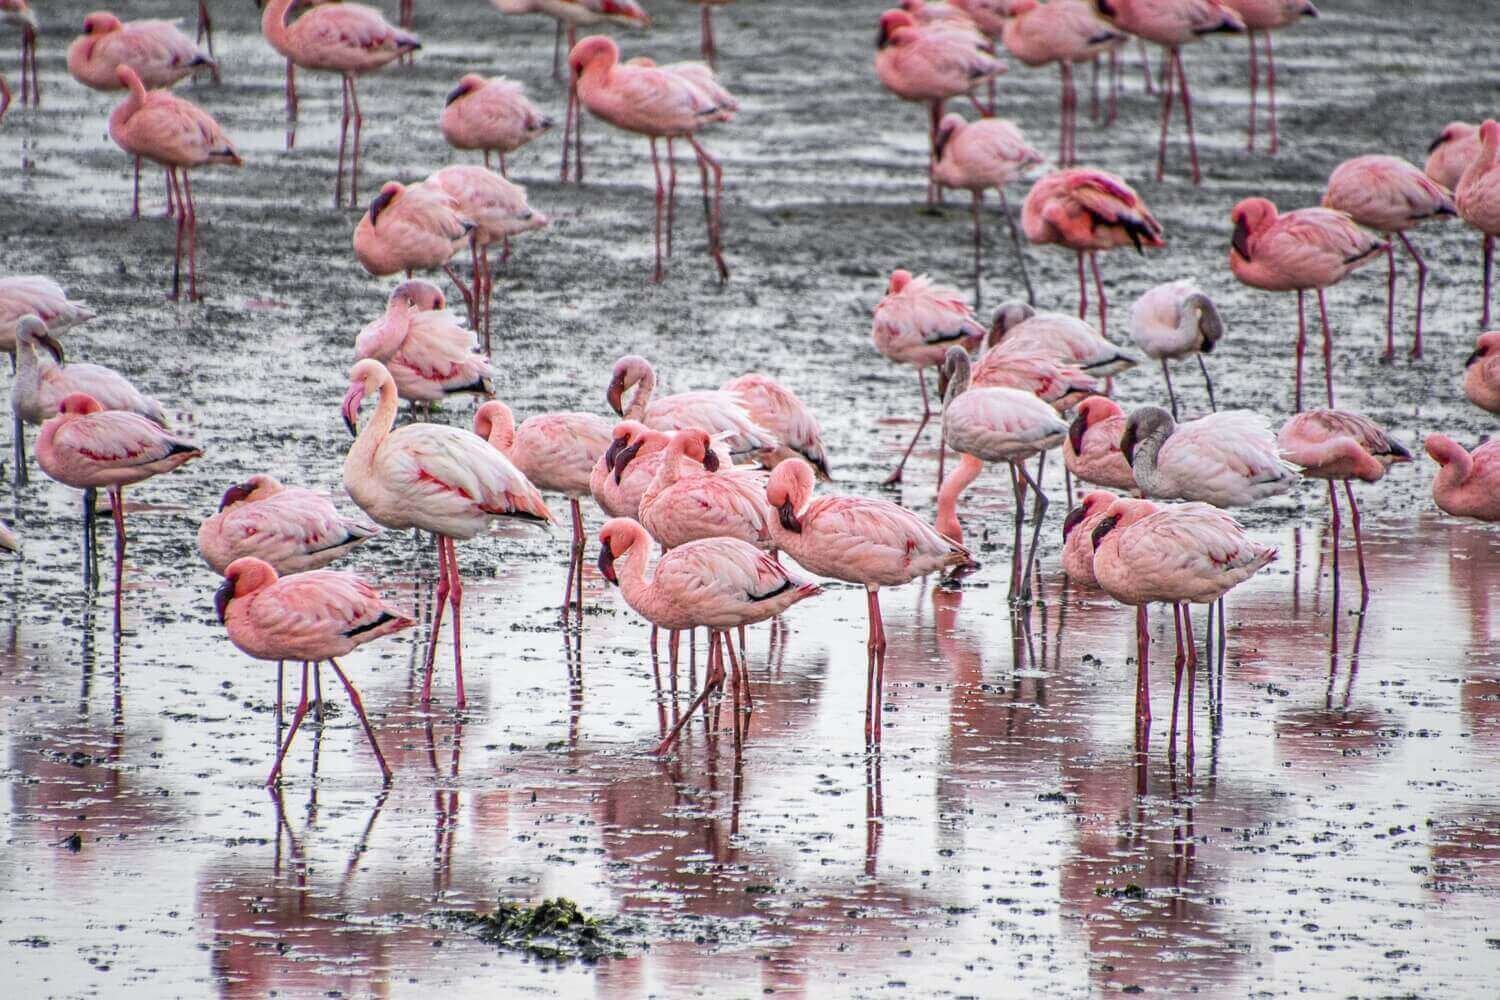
1336, 830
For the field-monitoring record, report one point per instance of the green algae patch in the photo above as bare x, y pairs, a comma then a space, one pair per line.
554, 930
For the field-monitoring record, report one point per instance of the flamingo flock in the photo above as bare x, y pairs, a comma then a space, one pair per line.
726, 505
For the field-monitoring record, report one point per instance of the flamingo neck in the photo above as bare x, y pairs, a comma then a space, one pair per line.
373, 434
953, 487
273, 21
630, 568
670, 469
1455, 472
641, 398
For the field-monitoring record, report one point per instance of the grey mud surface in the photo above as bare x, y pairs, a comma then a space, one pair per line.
1338, 834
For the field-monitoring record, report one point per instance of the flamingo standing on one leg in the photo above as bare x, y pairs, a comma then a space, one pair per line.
873, 543
557, 452
19, 13
1310, 248
1390, 195
87, 447
161, 127
717, 583
312, 617
1088, 211
915, 324
1068, 340
435, 478
1468, 482
1263, 17
930, 63
426, 348
1176, 320
1064, 32
1482, 373
1451, 153
659, 103
492, 115
414, 227
1340, 445
345, 38
1478, 198
976, 156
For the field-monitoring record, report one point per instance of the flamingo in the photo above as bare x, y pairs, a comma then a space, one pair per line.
557, 452
1172, 24
1087, 211
429, 353
435, 478
1482, 373
40, 296
19, 14
43, 381
974, 156
1468, 482
8, 540
314, 616
722, 414
628, 467
1263, 17
292, 529
1341, 445
1175, 320
1390, 195
492, 115
1092, 451
988, 425
1178, 554
1310, 248
1078, 536
870, 542
1017, 327
1227, 459
657, 102
683, 504
1478, 198
87, 447
166, 129
931, 63
915, 324
709, 45
414, 227
718, 583
345, 38
1451, 152
1035, 370
499, 210
1064, 32
776, 408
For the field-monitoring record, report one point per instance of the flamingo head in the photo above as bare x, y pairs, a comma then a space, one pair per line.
1093, 502
954, 373
257, 487
1148, 422
900, 278
628, 372
1121, 513
467, 84
595, 48
389, 192
1249, 217
630, 437
242, 578
31, 330
422, 296
101, 22
625, 12
894, 26
697, 445
1199, 311
365, 376
618, 537
79, 404
788, 491
1443, 449
494, 422
1452, 132
1308, 10
1487, 346
1009, 316
1019, 7
1090, 412
947, 129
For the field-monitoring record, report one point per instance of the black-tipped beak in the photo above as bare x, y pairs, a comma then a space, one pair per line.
222, 597
1104, 527
623, 458
1473, 358
614, 394
1074, 519
456, 93
710, 460
1240, 241
1442, 138
883, 38
1127, 445
235, 493
607, 564
53, 347
788, 517
1076, 430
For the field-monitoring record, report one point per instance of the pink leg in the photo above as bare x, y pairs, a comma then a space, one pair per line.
978, 202
1143, 674
1254, 86
1271, 93
1416, 344
1166, 114
874, 683
557, 52
291, 104
1187, 114
456, 598
1099, 290
1301, 347
1177, 613
577, 119
1192, 672
470, 305
359, 709
181, 235
192, 231
135, 194
1145, 55
297, 718
1083, 289
895, 477
338, 184
1489, 261
661, 198
1327, 345
575, 562
1335, 526
708, 36
568, 115
359, 120
117, 505
438, 604
716, 218
1359, 547
171, 211
713, 678
1390, 303
671, 194
1063, 158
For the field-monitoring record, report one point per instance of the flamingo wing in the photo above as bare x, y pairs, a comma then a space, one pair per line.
117, 439
317, 607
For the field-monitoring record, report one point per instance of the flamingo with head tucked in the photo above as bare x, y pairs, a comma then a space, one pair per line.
776, 408
292, 529
1451, 152
1468, 482
1482, 373
721, 413
426, 348
413, 227
36, 295
493, 115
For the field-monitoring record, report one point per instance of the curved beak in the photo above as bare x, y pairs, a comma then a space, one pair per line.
883, 38
456, 93
352, 399
1076, 430
1105, 527
1473, 358
788, 517
607, 564
710, 461
624, 458
614, 394
222, 597
1127, 445
53, 347
1442, 138
1074, 519
235, 493
1240, 241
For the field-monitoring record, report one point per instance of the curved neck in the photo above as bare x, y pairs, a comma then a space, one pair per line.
630, 568
958, 384
134, 98
641, 398
953, 487
374, 432
273, 21
1456, 472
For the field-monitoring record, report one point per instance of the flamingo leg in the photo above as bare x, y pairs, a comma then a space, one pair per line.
1083, 289
895, 477
90, 550
28, 66
671, 194
1333, 516
191, 209
875, 680
1187, 114
1116, 71
439, 602
1094, 89
4, 95
135, 191
1015, 549
1099, 290
463, 289
1039, 510
569, 114
1271, 93
1166, 373
1489, 261
1254, 86
716, 230
1390, 304
1145, 54
1359, 547
1143, 674
359, 710
181, 233
575, 551
1177, 611
661, 197
297, 716
172, 207
1301, 347
577, 118
741, 681
1416, 344
1327, 344
1192, 673
709, 49
19, 475
456, 598
978, 202
1064, 147
280, 673
338, 184
557, 52
1015, 239
712, 678
359, 120
1166, 114
291, 104
1208, 384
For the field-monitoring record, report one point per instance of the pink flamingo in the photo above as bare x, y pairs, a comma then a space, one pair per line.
1017, 327
685, 504
931, 63
499, 210
722, 414
1033, 370
43, 380
491, 115
1263, 17
1340, 445
414, 227
1478, 198
429, 353
1092, 451
36, 295
628, 467
1179, 554
1310, 248
8, 540
776, 408
1078, 536
312, 617
179, 135
1389, 195
974, 156
557, 453
1087, 211
873, 543
1175, 320
989, 425
915, 324
1482, 373
292, 529
87, 447
19, 13
709, 45
717, 583
1172, 24
1451, 152
1064, 32
435, 478
1227, 459
1467, 483
345, 38
660, 103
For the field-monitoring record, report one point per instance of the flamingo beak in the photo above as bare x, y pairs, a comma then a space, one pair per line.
236, 493
788, 517
1074, 519
1240, 241
222, 597
1076, 430
456, 93
1474, 357
53, 347
624, 458
1105, 527
615, 393
1442, 138
1127, 445
883, 38
607, 564
352, 399
710, 461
